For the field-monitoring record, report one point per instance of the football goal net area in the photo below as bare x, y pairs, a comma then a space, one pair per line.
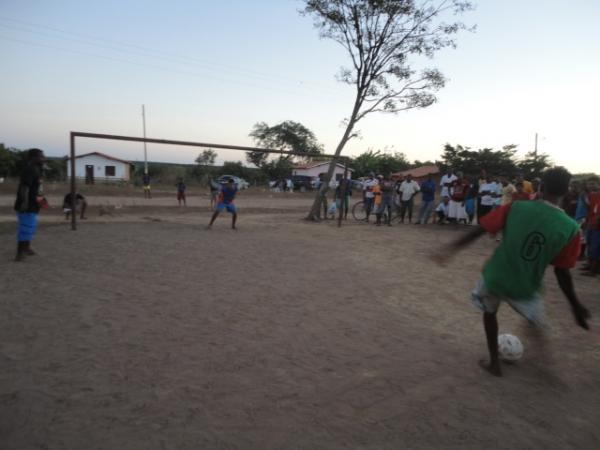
82, 135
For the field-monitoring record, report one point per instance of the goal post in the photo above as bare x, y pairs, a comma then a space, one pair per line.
79, 134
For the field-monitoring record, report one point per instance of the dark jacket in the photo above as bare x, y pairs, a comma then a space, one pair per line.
28, 191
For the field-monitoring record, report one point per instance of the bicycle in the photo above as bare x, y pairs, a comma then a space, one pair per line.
359, 212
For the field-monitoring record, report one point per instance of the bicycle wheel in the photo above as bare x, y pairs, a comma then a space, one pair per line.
359, 212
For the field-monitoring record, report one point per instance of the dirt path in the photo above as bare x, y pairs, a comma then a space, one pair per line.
155, 333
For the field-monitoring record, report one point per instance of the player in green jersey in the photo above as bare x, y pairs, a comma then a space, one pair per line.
535, 234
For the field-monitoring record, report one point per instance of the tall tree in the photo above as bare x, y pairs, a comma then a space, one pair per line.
470, 162
380, 36
533, 164
289, 136
205, 161
378, 162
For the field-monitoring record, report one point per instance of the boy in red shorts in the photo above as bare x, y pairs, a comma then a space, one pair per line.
534, 235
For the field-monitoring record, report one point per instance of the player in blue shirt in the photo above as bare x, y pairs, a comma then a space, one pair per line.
226, 198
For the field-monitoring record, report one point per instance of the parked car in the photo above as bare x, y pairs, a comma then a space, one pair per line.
239, 182
302, 182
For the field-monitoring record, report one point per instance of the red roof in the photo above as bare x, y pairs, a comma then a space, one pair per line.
418, 172
104, 155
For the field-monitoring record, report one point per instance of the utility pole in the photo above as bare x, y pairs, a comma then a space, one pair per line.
535, 148
145, 151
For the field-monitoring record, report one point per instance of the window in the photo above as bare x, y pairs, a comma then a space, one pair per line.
109, 171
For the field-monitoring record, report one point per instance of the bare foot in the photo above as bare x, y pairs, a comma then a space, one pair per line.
494, 369
209, 227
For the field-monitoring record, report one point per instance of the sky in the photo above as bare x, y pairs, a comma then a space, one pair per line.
208, 71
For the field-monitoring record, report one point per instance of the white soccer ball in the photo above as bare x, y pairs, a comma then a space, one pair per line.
510, 347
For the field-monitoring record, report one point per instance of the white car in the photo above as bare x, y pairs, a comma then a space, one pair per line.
239, 182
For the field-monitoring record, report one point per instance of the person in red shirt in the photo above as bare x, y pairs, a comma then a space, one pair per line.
459, 190
592, 221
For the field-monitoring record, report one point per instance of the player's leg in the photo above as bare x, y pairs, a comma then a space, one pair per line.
233, 210
83, 208
490, 324
214, 216
410, 210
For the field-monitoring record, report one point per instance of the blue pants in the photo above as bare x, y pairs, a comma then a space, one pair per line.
27, 226
425, 211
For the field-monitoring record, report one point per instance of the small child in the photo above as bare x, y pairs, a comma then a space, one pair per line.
442, 210
332, 211
181, 188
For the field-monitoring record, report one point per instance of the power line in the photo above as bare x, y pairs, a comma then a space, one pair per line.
181, 72
148, 52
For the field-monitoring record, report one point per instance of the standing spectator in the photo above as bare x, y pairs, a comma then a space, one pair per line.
408, 189
527, 186
592, 224
377, 198
470, 201
146, 185
483, 176
535, 185
569, 201
387, 200
290, 184
487, 190
458, 194
368, 195
181, 188
520, 194
427, 201
508, 190
446, 182
323, 196
28, 202
399, 182
343, 192
497, 191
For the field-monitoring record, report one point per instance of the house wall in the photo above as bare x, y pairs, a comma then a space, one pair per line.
100, 163
315, 171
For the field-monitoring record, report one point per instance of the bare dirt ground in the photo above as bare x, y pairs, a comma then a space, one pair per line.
144, 330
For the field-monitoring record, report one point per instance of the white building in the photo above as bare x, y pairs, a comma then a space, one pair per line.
316, 168
98, 166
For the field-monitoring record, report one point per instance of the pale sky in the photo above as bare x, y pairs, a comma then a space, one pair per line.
208, 71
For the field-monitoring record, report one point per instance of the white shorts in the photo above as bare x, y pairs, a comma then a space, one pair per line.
456, 210
532, 309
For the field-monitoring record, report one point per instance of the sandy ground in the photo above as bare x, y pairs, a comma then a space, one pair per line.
144, 330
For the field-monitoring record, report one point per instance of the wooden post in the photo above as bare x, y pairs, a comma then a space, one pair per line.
73, 186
